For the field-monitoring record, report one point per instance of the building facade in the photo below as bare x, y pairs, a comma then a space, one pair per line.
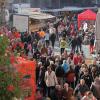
57, 3
62, 3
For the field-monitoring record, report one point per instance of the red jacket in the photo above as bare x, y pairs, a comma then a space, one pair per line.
77, 59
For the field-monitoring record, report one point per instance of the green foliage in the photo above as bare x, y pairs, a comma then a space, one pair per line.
6, 79
8, 75
4, 41
4, 58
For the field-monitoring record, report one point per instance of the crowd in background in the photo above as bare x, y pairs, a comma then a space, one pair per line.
63, 76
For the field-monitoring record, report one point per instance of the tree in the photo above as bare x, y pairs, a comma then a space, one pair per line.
9, 78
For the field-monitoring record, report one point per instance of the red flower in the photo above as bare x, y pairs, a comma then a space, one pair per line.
10, 88
12, 59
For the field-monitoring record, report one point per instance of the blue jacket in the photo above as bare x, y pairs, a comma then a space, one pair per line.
65, 66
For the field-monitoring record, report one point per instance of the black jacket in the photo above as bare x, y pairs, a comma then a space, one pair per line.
59, 71
88, 79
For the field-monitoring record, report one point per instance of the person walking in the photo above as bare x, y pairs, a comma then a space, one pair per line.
81, 89
63, 45
50, 80
67, 92
52, 32
87, 77
73, 44
92, 45
79, 43
47, 36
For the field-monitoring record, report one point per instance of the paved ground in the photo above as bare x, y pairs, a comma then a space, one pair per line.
84, 47
89, 58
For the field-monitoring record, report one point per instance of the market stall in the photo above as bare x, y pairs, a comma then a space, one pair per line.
38, 20
86, 15
32, 20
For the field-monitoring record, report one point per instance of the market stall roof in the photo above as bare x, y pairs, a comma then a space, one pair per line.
68, 9
87, 15
36, 14
72, 9
41, 16
63, 9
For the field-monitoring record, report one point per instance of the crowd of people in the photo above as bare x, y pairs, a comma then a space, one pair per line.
63, 76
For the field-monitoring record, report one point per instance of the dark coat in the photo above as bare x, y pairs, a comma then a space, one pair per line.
52, 37
92, 42
81, 88
59, 71
79, 40
95, 88
41, 82
74, 42
88, 79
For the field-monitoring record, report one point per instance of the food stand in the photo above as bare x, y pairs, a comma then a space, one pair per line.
36, 20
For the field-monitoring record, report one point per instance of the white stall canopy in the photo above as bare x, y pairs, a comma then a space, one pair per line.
41, 16
35, 14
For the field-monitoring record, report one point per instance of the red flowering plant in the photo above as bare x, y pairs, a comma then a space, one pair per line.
9, 77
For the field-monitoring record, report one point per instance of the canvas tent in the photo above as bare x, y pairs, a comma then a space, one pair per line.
86, 15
